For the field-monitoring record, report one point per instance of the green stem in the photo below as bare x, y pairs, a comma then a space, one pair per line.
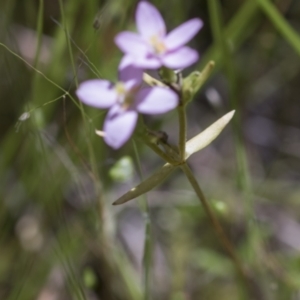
214, 221
147, 255
39, 30
68, 40
182, 130
159, 152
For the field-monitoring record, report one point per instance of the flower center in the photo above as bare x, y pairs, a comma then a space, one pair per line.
158, 45
125, 98
120, 88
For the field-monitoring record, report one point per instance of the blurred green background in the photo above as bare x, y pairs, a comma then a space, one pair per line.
60, 237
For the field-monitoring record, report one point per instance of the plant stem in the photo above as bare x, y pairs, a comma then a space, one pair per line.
216, 225
39, 30
147, 255
182, 130
61, 6
159, 152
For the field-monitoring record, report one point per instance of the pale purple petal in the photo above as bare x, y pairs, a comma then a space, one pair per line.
127, 71
156, 100
181, 58
97, 93
149, 20
130, 84
132, 43
119, 126
147, 62
182, 34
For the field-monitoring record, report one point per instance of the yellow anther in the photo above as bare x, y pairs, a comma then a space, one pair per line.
157, 44
120, 88
126, 98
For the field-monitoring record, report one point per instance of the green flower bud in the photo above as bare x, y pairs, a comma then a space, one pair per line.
167, 75
193, 82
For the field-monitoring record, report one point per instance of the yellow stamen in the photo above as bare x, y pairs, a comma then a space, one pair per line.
157, 44
120, 88
126, 98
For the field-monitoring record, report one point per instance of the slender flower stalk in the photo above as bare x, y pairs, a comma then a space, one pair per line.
147, 255
182, 130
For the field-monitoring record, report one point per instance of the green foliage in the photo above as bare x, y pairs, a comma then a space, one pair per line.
59, 233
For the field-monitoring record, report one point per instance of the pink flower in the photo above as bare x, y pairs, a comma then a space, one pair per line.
125, 100
152, 47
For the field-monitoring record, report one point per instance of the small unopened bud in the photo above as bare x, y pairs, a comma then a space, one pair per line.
167, 75
193, 82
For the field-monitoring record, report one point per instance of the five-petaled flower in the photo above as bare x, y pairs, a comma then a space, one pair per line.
153, 47
124, 100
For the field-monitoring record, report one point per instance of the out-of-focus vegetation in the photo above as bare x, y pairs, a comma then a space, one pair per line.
60, 237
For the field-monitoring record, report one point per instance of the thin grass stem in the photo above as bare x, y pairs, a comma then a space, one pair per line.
65, 27
182, 130
89, 144
286, 30
147, 255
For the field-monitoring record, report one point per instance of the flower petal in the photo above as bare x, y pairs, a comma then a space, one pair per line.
131, 86
119, 126
147, 62
181, 58
142, 62
182, 34
132, 43
149, 21
97, 93
156, 100
127, 71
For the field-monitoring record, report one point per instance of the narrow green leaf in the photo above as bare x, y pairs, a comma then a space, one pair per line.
204, 138
154, 180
